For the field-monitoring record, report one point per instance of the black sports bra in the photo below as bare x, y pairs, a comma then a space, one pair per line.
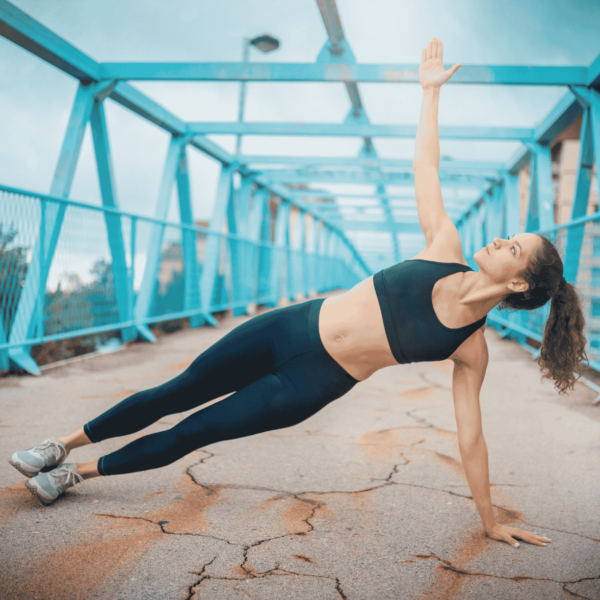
413, 329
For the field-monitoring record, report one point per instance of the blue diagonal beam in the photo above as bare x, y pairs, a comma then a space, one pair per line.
190, 259
148, 285
343, 72
356, 129
113, 222
20, 28
214, 241
559, 118
583, 179
43, 252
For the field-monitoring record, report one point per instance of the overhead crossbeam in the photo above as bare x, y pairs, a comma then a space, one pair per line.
364, 162
340, 72
522, 134
372, 178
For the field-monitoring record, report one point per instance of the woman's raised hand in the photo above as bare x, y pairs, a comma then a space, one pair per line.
431, 69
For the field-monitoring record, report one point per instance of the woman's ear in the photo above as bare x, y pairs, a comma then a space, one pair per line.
517, 285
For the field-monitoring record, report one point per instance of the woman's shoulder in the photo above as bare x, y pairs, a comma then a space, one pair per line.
445, 248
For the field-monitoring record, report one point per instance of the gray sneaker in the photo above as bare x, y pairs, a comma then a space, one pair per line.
47, 487
44, 456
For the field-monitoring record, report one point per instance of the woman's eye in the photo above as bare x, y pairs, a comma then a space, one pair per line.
513, 250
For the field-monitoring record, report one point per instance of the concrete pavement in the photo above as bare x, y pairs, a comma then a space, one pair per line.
366, 499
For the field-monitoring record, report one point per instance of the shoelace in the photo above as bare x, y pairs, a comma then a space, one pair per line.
66, 472
49, 447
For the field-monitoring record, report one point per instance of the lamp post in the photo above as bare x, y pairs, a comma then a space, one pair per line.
265, 43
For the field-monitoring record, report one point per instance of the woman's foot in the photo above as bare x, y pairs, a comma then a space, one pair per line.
43, 457
47, 487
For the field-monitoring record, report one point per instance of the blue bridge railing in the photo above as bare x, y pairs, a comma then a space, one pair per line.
82, 291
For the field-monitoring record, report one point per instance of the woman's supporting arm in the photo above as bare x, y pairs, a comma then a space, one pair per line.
469, 372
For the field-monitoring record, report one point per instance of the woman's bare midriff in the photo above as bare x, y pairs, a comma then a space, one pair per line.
352, 331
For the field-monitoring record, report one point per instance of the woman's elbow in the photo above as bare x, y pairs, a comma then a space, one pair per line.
422, 164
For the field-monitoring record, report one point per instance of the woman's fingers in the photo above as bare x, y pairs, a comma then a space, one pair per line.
455, 68
510, 540
430, 50
440, 50
531, 538
424, 55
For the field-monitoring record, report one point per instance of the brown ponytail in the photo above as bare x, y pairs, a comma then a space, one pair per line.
563, 345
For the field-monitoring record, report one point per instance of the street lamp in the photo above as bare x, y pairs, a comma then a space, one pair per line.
265, 43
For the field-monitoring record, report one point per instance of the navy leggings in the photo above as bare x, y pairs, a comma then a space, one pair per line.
274, 362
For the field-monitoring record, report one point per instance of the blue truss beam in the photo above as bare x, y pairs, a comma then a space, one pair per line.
365, 162
410, 212
28, 316
560, 117
145, 295
522, 134
374, 178
593, 79
310, 193
346, 72
191, 297
338, 51
123, 290
380, 226
21, 29
24, 31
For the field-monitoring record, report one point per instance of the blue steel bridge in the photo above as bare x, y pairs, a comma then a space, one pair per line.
274, 236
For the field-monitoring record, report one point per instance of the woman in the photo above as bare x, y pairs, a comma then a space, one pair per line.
287, 364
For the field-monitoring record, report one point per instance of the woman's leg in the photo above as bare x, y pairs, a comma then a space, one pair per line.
239, 358
304, 379
272, 402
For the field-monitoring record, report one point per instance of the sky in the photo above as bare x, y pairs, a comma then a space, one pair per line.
36, 98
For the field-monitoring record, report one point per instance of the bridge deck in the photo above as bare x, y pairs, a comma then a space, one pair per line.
367, 499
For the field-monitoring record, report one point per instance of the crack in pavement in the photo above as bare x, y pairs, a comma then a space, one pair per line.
277, 571
162, 527
248, 572
191, 591
387, 481
561, 531
447, 565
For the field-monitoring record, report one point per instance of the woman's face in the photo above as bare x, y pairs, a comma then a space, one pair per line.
501, 260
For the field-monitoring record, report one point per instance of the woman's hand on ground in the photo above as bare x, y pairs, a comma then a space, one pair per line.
431, 69
510, 535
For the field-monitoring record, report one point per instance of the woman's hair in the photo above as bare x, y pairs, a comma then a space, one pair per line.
563, 346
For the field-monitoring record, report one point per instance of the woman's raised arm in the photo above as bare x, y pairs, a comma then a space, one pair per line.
432, 215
